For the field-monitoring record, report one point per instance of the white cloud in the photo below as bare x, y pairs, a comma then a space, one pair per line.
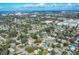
40, 4
27, 5
37, 4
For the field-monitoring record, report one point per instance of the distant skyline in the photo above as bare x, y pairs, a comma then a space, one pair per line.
38, 6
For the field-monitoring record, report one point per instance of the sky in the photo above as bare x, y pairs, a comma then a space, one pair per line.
38, 6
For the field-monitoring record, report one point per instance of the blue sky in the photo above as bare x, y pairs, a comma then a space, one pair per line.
37, 6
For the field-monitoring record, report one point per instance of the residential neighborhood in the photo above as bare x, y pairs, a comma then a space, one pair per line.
39, 33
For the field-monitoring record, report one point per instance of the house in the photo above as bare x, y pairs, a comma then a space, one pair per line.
50, 40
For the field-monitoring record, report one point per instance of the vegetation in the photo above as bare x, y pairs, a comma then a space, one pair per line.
31, 33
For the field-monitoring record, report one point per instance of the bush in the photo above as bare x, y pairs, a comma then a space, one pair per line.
29, 49
39, 40
33, 36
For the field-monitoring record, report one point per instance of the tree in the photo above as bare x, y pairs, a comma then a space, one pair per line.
33, 35
29, 49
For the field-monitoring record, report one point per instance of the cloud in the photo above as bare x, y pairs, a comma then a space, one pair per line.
40, 4
30, 5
